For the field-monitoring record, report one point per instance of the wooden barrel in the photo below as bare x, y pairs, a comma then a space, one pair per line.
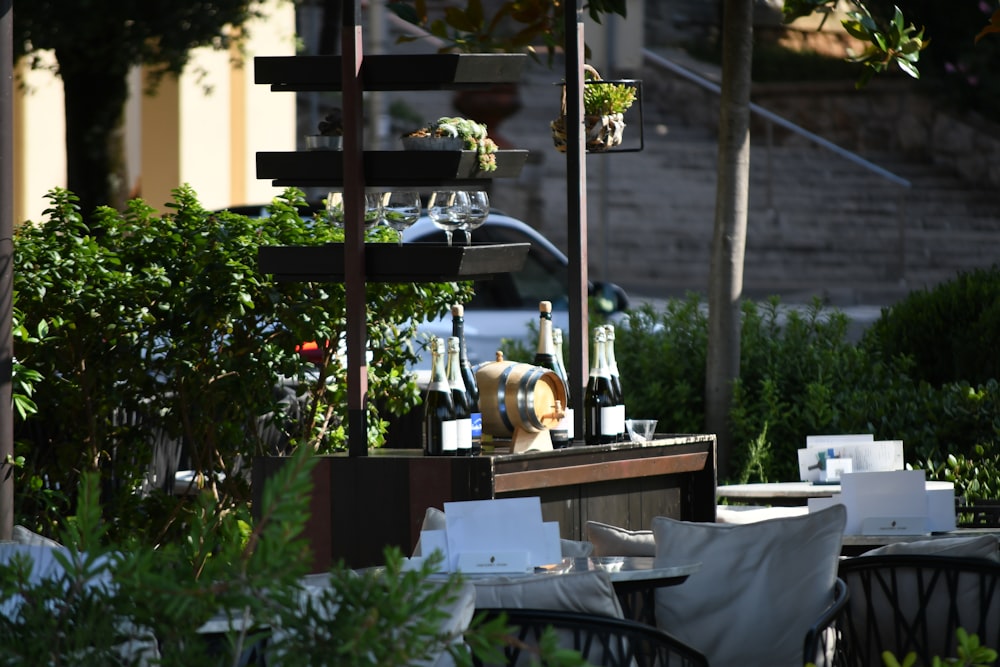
515, 395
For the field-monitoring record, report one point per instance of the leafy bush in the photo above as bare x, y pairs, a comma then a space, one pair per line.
160, 329
123, 603
800, 376
661, 358
950, 331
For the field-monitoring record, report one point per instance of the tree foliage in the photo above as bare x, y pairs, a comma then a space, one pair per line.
96, 43
513, 25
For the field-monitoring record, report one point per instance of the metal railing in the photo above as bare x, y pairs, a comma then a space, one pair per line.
774, 119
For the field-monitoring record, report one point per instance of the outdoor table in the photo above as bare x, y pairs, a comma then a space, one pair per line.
776, 493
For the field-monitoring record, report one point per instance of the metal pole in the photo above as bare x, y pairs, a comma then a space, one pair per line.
6, 266
576, 211
354, 231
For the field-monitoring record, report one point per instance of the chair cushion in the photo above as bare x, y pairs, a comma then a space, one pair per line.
760, 587
434, 519
22, 535
981, 546
614, 541
588, 592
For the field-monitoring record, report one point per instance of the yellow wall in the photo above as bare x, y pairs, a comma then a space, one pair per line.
179, 136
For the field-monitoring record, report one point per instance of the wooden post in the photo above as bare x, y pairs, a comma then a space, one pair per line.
354, 230
576, 212
6, 265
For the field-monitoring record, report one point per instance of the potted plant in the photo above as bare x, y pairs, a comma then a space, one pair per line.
331, 133
454, 134
604, 107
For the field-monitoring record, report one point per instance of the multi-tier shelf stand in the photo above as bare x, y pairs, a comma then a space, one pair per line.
353, 169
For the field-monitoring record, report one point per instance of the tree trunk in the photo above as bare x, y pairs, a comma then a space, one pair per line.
725, 287
95, 154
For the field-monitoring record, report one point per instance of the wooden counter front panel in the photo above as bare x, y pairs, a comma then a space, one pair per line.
363, 504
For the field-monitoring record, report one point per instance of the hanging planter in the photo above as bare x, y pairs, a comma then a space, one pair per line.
604, 104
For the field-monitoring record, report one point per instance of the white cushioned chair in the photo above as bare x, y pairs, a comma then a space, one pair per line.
761, 589
912, 596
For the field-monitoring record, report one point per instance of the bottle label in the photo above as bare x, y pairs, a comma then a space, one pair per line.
566, 423
476, 420
463, 434
609, 417
620, 418
449, 436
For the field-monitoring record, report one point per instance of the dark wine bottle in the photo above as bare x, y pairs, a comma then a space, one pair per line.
463, 422
616, 384
439, 435
567, 420
468, 376
545, 357
598, 402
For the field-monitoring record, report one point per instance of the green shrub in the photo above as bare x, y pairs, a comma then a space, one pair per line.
801, 376
661, 358
114, 599
950, 331
143, 324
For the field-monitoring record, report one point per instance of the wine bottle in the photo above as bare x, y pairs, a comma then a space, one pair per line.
567, 420
463, 422
616, 384
439, 436
598, 403
468, 376
545, 358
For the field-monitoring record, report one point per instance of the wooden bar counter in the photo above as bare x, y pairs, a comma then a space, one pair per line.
362, 504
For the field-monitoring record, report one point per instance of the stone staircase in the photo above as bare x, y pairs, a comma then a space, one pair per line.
818, 224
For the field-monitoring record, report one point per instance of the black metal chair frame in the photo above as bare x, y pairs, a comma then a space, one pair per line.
822, 642
615, 642
904, 603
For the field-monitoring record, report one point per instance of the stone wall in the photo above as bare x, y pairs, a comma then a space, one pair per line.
887, 117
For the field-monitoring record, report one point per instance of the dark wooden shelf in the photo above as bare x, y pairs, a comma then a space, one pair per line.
433, 71
390, 263
386, 168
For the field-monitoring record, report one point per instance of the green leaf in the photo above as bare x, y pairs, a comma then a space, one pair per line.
908, 67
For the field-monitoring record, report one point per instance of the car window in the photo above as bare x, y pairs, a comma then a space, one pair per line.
543, 277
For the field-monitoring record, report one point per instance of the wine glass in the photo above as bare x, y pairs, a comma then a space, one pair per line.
479, 208
400, 209
373, 209
335, 207
448, 210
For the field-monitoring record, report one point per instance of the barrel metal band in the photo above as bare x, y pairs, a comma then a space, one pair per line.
502, 398
525, 397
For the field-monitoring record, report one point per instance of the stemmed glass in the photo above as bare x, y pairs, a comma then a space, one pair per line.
448, 210
373, 210
335, 207
400, 209
479, 208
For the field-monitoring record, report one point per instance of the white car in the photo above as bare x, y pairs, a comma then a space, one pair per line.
505, 306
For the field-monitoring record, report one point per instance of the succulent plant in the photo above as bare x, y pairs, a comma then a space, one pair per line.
333, 124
